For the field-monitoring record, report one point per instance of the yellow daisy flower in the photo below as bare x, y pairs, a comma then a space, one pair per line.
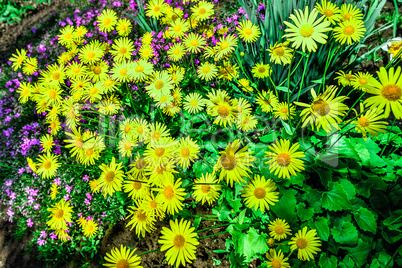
261, 70
48, 165
123, 27
136, 187
350, 12
277, 260
225, 46
194, 42
18, 58
234, 164
369, 122
329, 10
90, 228
60, 214
248, 31
202, 11
107, 20
141, 221
186, 151
30, 66
122, 258
193, 103
260, 193
120, 71
207, 71
360, 80
306, 243
279, 229
156, 8
178, 28
111, 178
180, 242
283, 159
176, 52
122, 49
170, 195
349, 31
206, 188
140, 70
284, 111
306, 30
160, 85
344, 79
91, 53
146, 52
46, 142
280, 53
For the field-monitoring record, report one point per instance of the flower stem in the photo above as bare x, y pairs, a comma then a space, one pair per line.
216, 226
158, 249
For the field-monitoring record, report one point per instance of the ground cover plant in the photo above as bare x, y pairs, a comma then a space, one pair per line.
142, 112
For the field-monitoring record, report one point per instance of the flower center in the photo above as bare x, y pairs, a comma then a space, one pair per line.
349, 30
159, 84
279, 230
137, 185
321, 107
261, 70
107, 21
177, 28
139, 69
301, 243
328, 13
205, 189
279, 51
276, 263
141, 216
76, 70
109, 177
362, 81
348, 77
306, 30
127, 146
140, 130
127, 129
123, 27
140, 164
89, 152
123, 50
223, 110
68, 36
123, 72
153, 204
283, 159
91, 55
347, 16
259, 193
391, 92
248, 31
157, 9
56, 76
363, 121
157, 135
194, 43
52, 94
224, 45
47, 165
193, 103
123, 263
59, 213
179, 241
169, 192
284, 110
93, 91
176, 51
202, 11
206, 69
90, 228
228, 161
97, 70
25, 92
185, 152
159, 152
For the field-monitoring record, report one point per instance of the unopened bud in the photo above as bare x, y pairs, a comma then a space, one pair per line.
270, 242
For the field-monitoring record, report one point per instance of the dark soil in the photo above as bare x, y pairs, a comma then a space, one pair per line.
11, 33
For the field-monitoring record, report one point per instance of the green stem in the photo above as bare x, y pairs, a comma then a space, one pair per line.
290, 67
294, 70
212, 235
276, 91
8, 166
304, 71
389, 136
213, 227
395, 17
158, 249
350, 109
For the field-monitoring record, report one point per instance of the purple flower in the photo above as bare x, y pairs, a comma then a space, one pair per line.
30, 222
68, 188
10, 213
85, 178
53, 236
36, 206
9, 183
43, 234
41, 242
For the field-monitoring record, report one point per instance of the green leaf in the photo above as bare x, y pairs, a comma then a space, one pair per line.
365, 220
270, 137
285, 208
360, 252
303, 213
346, 235
348, 187
313, 197
321, 224
250, 244
208, 145
326, 262
335, 199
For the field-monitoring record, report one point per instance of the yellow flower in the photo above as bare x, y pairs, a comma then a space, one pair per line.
48, 165
126, 145
206, 188
388, 92
267, 101
277, 260
261, 70
281, 53
193, 103
110, 105
107, 20
90, 228
123, 27
283, 159
202, 11
344, 79
122, 49
360, 80
141, 221
30, 66
91, 53
25, 92
306, 30
186, 151
46, 142
76, 70
18, 58
279, 229
180, 242
369, 122
156, 8
306, 243
140, 70
159, 151
122, 258
225, 46
228, 71
170, 195
222, 108
248, 31
136, 186
120, 71
194, 42
244, 84
234, 164
98, 71
111, 178
160, 85
260, 193
284, 111
176, 52
350, 12
60, 214
178, 28
325, 110
349, 31
207, 71
329, 10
